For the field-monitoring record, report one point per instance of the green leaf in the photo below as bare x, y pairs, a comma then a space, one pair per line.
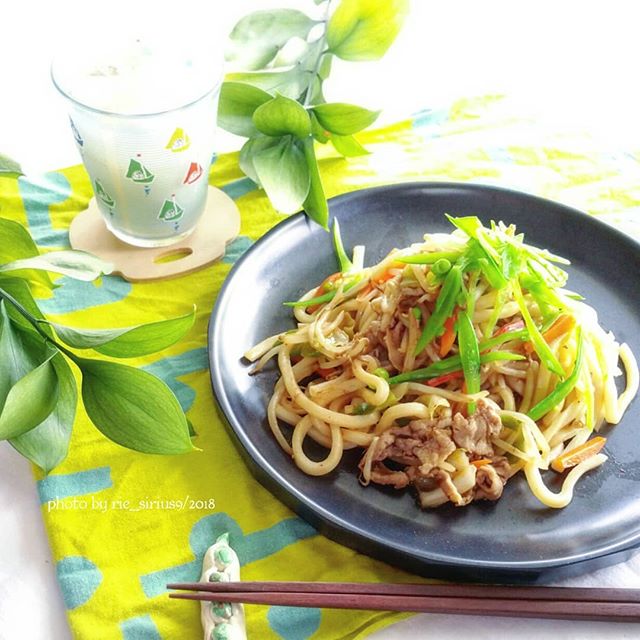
318, 131
289, 82
344, 119
9, 167
47, 444
365, 29
283, 173
257, 38
250, 149
237, 103
29, 401
315, 204
20, 291
16, 244
281, 116
78, 265
314, 65
133, 408
15, 360
294, 52
325, 66
28, 387
348, 146
13, 365
128, 342
316, 93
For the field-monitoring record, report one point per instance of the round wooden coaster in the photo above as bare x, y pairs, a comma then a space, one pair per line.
219, 225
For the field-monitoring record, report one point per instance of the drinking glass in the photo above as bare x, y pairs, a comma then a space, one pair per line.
143, 115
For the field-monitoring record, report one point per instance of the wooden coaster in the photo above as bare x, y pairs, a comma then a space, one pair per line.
219, 225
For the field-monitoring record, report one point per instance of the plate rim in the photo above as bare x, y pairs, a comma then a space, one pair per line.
311, 511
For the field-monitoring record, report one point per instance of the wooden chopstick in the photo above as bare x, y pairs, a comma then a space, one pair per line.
619, 605
417, 589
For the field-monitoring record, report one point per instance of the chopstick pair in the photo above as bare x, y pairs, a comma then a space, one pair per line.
570, 603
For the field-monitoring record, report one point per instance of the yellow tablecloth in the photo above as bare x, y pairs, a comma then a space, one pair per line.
123, 524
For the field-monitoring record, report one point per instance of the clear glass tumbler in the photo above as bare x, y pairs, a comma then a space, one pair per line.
143, 115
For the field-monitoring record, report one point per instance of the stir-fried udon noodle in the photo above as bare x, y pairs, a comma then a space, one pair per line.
452, 364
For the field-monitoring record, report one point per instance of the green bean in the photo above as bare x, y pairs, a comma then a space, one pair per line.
449, 365
501, 299
325, 297
488, 264
539, 343
469, 355
441, 267
507, 336
480, 251
430, 258
470, 302
562, 390
547, 299
343, 259
444, 308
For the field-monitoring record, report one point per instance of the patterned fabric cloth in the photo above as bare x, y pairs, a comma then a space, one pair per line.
123, 524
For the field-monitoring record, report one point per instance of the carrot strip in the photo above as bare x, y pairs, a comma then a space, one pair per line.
323, 288
480, 463
449, 336
575, 456
516, 325
439, 381
561, 326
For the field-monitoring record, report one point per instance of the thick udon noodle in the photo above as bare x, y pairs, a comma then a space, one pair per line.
327, 373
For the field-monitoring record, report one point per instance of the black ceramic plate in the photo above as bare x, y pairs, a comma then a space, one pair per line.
515, 538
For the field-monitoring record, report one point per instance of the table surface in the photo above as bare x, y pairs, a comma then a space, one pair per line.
572, 61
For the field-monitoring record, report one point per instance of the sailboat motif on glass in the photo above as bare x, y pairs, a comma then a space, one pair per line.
179, 141
171, 211
103, 195
138, 173
76, 133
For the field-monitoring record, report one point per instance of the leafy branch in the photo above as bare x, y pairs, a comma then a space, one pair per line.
38, 388
9, 167
277, 101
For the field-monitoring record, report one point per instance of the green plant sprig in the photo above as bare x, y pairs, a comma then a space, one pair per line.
38, 389
277, 101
